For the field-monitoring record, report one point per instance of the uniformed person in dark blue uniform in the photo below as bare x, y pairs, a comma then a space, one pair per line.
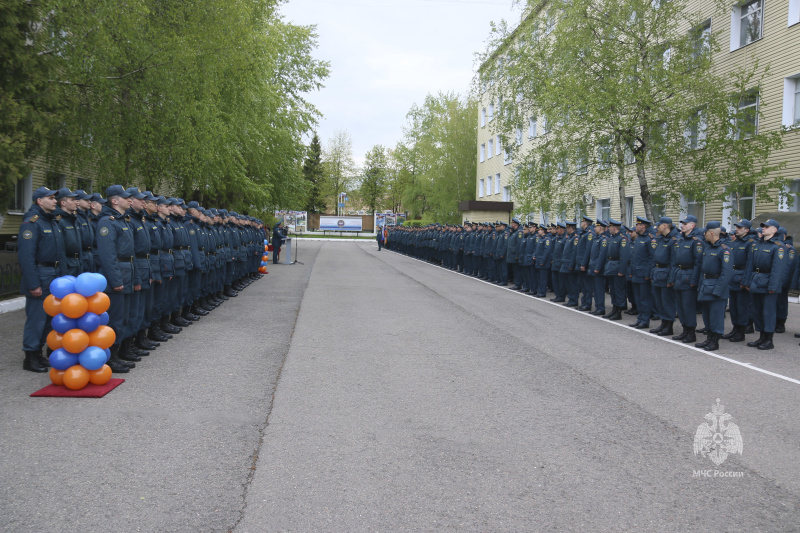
764, 278
717, 272
782, 312
569, 265
115, 259
641, 267
67, 220
596, 268
613, 264
153, 305
739, 301
685, 276
141, 296
41, 260
515, 241
559, 285
543, 259
86, 230
583, 254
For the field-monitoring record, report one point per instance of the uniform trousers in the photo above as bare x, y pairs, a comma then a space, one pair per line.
118, 313
573, 286
643, 296
619, 290
782, 306
686, 302
587, 286
135, 315
714, 315
599, 292
764, 311
740, 307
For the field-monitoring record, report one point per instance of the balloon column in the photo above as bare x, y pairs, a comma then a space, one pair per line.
81, 338
264, 259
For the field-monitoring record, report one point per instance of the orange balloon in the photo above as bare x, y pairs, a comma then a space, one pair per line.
101, 376
266, 248
265, 258
74, 305
99, 303
55, 340
76, 377
103, 337
57, 376
52, 305
75, 340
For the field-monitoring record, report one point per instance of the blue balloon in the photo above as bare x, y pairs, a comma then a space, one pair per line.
61, 359
86, 284
62, 324
264, 263
62, 286
104, 319
266, 242
89, 322
108, 354
101, 283
92, 358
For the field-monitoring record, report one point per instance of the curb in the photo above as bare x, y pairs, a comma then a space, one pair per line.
15, 304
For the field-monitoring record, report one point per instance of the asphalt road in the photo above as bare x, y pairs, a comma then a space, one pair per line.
368, 391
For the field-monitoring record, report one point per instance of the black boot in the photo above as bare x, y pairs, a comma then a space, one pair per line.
666, 330
767, 344
116, 365
221, 296
229, 292
179, 321
125, 353
728, 336
33, 362
632, 311
757, 343
682, 335
704, 343
643, 325
205, 305
156, 334
738, 334
780, 325
616, 315
659, 328
141, 341
690, 335
167, 327
703, 330
750, 328
713, 343
187, 315
611, 313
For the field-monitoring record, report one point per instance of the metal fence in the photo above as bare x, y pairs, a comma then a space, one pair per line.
10, 276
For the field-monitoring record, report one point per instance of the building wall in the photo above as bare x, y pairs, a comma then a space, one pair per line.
779, 48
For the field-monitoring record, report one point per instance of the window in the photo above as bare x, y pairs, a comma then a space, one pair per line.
747, 120
21, 200
629, 157
604, 209
563, 167
84, 184
545, 125
659, 206
532, 128
794, 12
695, 134
498, 146
55, 180
497, 186
692, 206
579, 212
739, 205
480, 188
746, 23
702, 38
506, 194
490, 149
483, 153
483, 117
488, 185
791, 100
582, 164
491, 111
507, 159
605, 155
519, 135
792, 192
629, 211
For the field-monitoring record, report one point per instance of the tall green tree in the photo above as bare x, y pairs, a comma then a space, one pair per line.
373, 178
314, 175
339, 165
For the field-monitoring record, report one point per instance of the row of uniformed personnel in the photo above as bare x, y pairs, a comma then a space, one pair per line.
167, 263
665, 272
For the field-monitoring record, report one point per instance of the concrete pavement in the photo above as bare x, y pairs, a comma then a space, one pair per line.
368, 391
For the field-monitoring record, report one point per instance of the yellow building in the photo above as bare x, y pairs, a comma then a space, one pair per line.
767, 31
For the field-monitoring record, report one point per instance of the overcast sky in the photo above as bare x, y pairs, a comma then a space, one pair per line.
386, 55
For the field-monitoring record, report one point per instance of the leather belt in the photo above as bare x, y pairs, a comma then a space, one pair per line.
87, 248
127, 259
662, 265
681, 267
763, 270
740, 268
142, 256
74, 256
712, 276
53, 264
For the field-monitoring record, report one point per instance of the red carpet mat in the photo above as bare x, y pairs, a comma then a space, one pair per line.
89, 391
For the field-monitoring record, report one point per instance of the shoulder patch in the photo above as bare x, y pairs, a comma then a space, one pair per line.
104, 231
27, 234
34, 218
726, 256
605, 243
191, 231
623, 243
653, 244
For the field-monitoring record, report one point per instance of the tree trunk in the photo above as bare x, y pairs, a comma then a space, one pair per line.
623, 210
644, 188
